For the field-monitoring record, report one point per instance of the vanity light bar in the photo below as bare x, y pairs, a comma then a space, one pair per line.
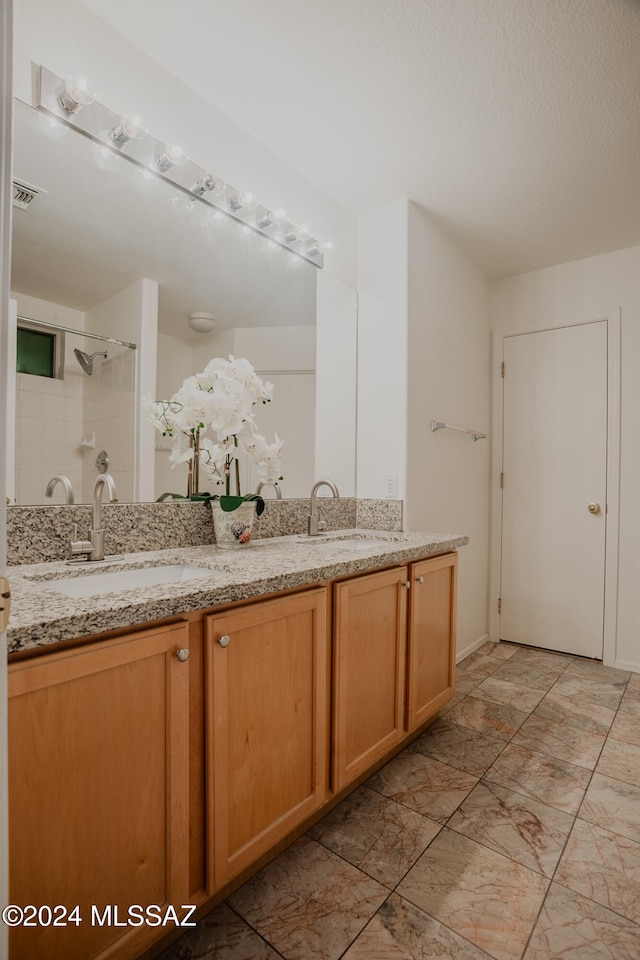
59, 99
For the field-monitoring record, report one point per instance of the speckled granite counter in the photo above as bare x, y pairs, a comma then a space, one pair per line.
42, 616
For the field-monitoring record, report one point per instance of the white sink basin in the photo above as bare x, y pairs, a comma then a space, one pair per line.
91, 584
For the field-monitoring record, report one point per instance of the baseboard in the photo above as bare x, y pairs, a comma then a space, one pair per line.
627, 665
461, 654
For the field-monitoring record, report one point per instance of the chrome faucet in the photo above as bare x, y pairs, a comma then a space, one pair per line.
275, 487
315, 525
93, 548
64, 481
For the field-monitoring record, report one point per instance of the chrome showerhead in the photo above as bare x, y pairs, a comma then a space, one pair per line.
86, 361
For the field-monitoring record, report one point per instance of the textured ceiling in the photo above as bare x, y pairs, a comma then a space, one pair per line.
515, 123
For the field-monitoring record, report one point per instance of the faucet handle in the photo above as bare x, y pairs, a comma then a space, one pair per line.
78, 548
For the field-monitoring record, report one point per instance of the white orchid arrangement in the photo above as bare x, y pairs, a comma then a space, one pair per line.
221, 399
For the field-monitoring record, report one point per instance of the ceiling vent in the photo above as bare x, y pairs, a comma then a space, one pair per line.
24, 194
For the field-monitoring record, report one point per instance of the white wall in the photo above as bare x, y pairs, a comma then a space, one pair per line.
336, 388
571, 293
382, 349
449, 379
424, 354
68, 39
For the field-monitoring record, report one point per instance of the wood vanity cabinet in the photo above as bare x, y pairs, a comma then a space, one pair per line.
369, 644
394, 659
266, 726
431, 650
138, 776
98, 799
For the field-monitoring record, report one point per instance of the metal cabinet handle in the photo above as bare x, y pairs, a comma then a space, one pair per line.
406, 583
420, 579
224, 641
182, 654
594, 508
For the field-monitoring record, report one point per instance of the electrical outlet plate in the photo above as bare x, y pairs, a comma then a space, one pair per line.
390, 482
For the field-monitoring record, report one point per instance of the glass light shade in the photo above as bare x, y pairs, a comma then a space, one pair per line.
78, 92
129, 128
202, 322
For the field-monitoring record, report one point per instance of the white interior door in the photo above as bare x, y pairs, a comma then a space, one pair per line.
554, 496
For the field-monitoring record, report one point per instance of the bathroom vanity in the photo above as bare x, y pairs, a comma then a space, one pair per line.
162, 762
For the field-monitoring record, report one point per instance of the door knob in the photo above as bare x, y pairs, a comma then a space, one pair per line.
594, 508
224, 641
182, 654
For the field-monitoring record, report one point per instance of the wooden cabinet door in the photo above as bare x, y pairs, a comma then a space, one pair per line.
432, 637
370, 615
266, 719
98, 791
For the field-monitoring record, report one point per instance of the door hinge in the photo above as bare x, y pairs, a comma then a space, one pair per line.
502, 369
499, 604
501, 481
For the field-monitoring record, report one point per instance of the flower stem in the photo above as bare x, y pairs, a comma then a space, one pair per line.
235, 443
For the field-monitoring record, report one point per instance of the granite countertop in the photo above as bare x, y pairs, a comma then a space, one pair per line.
42, 616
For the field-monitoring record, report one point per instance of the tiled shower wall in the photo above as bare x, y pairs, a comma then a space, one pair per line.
61, 426
109, 417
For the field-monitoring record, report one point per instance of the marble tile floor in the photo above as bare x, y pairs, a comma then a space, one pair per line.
509, 830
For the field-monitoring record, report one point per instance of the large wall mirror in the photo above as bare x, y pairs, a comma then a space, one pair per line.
111, 263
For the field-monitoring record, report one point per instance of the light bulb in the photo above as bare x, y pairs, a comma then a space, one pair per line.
171, 157
78, 92
242, 201
129, 128
280, 215
290, 235
266, 220
204, 185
